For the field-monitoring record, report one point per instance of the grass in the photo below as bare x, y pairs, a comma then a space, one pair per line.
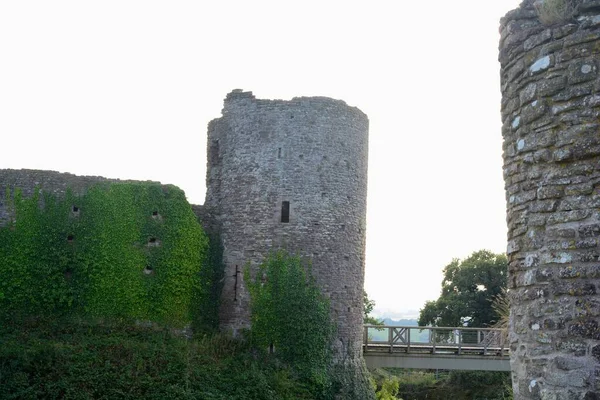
551, 12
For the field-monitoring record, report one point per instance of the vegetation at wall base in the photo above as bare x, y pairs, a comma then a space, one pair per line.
75, 358
290, 315
391, 383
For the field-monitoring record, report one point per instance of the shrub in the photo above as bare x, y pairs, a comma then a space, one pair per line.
290, 314
552, 12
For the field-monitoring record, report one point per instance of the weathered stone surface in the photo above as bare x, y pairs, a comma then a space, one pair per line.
312, 153
550, 79
56, 183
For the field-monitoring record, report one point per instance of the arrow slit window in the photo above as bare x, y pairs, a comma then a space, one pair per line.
285, 211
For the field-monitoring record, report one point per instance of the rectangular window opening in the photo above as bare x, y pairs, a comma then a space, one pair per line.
285, 211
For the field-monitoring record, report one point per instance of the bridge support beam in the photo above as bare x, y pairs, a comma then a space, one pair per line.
437, 361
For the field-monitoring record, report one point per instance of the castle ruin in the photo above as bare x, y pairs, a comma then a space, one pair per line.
288, 175
549, 55
291, 175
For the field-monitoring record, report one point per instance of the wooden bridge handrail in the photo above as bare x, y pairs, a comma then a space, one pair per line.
435, 327
462, 339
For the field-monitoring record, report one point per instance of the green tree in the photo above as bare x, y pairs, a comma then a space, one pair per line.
468, 290
368, 306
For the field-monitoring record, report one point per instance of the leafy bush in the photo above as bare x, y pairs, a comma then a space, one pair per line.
442, 385
290, 314
93, 359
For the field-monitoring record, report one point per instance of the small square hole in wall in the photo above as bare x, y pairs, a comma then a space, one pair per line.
153, 242
155, 213
75, 211
70, 238
148, 270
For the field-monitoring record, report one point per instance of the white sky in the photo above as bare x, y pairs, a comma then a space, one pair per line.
125, 89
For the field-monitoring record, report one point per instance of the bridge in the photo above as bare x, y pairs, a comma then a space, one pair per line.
425, 347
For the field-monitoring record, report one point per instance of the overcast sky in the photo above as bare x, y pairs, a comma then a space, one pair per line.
126, 88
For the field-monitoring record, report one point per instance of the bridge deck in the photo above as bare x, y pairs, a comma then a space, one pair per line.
436, 348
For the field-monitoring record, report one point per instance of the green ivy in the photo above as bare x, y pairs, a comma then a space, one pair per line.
121, 250
290, 314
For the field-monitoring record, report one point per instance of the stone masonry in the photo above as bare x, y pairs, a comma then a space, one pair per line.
288, 175
551, 121
291, 175
56, 183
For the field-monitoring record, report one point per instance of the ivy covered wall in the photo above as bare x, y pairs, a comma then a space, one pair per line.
119, 250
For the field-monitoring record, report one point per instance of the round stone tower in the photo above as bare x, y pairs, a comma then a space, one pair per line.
549, 54
291, 175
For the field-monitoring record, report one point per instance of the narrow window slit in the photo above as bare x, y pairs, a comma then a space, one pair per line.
285, 211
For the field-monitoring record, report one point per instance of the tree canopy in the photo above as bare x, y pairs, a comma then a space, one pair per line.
368, 306
469, 287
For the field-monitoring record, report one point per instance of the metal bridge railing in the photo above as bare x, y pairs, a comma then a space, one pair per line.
435, 340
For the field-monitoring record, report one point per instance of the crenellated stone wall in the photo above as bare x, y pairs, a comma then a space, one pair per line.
551, 129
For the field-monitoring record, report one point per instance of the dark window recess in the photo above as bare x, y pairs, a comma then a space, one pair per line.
285, 211
154, 213
75, 209
213, 153
152, 240
70, 238
279, 153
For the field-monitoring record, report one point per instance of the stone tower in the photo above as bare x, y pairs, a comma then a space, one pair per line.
291, 175
550, 55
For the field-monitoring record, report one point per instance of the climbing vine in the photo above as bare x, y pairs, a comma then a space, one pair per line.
290, 315
123, 250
